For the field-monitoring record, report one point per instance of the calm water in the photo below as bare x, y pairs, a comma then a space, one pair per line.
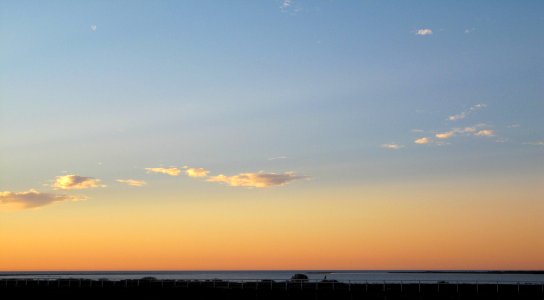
344, 276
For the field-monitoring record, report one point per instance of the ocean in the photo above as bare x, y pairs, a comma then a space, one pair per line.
341, 276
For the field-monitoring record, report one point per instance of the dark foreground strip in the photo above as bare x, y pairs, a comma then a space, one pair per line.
177, 289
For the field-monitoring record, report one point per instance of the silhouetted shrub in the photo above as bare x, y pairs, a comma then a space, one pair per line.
299, 278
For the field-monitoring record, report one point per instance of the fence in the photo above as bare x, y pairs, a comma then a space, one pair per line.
275, 284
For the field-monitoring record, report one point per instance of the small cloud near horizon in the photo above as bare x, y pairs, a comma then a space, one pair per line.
75, 182
172, 171
33, 199
257, 180
132, 182
196, 172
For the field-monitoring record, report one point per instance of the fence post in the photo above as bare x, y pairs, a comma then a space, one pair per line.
401, 286
349, 285
518, 287
497, 287
419, 286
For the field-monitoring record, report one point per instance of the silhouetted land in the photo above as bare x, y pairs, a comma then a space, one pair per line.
265, 289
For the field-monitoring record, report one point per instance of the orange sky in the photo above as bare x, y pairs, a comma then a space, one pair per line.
402, 226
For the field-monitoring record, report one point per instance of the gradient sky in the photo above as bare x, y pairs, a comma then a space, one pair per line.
271, 135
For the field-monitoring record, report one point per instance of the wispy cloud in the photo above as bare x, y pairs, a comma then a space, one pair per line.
485, 132
422, 141
286, 4
33, 198
424, 31
93, 28
132, 182
196, 172
469, 30
392, 146
172, 171
467, 112
258, 180
75, 182
536, 143
455, 131
277, 157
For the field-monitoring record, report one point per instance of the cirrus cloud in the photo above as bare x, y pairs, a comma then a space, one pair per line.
75, 182
392, 146
33, 198
132, 182
258, 180
467, 112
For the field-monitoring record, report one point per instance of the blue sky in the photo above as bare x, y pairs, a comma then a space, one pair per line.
231, 84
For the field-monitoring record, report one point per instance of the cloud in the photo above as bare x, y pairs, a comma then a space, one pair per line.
422, 141
75, 182
445, 135
467, 112
277, 157
469, 30
485, 132
392, 146
286, 4
537, 143
196, 172
466, 131
132, 182
172, 171
258, 180
424, 31
33, 198
93, 27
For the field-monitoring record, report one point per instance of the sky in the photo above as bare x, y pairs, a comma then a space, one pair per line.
238, 135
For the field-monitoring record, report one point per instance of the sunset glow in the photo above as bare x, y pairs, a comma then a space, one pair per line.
271, 135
